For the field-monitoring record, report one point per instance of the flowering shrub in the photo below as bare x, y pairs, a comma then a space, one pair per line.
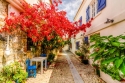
41, 20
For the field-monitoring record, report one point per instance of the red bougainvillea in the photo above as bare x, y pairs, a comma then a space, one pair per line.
42, 20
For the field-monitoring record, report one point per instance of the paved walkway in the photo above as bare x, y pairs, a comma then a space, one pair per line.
69, 69
77, 78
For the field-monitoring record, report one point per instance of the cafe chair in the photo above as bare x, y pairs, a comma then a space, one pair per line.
43, 55
30, 69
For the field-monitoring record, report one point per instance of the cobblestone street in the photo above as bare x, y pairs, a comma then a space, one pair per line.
62, 73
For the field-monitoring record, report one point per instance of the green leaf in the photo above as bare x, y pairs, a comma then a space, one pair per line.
106, 52
101, 49
122, 68
106, 61
92, 46
123, 37
94, 54
118, 62
117, 53
112, 50
97, 57
117, 44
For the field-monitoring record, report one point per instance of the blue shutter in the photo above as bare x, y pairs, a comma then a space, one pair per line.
87, 14
77, 45
101, 5
80, 21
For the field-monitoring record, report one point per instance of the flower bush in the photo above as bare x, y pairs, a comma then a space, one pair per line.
41, 20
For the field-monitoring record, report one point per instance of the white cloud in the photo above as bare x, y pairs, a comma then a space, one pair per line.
71, 7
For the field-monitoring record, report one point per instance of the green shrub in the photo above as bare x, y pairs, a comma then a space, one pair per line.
78, 53
13, 72
51, 57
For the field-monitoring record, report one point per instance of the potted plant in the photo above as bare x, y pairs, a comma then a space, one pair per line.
84, 50
97, 69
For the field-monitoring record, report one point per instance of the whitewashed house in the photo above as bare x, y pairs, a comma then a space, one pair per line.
109, 19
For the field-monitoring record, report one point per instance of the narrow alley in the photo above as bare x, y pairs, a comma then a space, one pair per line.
64, 73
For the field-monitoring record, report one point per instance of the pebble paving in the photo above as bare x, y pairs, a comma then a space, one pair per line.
63, 74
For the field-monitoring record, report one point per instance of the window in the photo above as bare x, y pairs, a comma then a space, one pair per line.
87, 14
86, 40
101, 5
80, 23
77, 45
96, 6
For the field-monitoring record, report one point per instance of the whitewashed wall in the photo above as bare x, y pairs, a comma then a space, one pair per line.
115, 9
36, 1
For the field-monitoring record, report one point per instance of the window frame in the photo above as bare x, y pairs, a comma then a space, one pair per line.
77, 45
93, 8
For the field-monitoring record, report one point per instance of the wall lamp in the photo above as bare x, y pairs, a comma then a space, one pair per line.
109, 21
7, 51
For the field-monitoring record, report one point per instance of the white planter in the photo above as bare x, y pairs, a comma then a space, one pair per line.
108, 78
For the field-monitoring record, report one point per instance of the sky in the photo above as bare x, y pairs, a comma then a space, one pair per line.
71, 7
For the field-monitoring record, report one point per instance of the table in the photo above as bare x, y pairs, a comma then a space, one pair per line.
39, 59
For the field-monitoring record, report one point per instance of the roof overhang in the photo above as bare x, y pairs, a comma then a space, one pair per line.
17, 4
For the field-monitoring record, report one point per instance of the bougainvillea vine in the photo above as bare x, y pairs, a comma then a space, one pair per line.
43, 20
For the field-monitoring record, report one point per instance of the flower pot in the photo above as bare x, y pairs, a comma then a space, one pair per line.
85, 61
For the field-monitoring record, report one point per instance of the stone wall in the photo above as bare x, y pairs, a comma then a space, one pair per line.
3, 14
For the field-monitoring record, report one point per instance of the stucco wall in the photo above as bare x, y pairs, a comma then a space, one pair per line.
36, 1
79, 37
32, 1
115, 10
12, 9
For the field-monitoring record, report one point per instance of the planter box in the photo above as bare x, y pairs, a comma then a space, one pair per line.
108, 78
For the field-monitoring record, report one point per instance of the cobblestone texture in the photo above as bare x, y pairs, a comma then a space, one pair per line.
61, 72
87, 72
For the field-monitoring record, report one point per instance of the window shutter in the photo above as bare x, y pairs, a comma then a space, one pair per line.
77, 45
87, 14
101, 5
80, 21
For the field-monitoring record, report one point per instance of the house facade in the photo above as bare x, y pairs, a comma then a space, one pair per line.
108, 19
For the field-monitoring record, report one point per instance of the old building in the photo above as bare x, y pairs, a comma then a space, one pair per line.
109, 19
13, 47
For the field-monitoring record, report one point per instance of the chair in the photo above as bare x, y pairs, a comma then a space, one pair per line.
30, 69
43, 55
